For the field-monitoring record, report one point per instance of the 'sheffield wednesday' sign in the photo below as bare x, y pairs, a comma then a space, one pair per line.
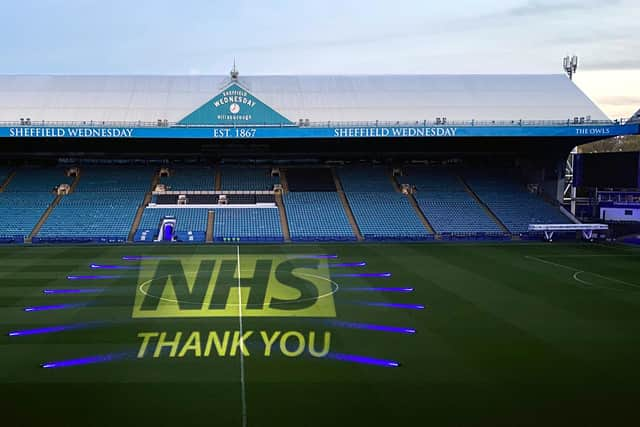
234, 106
295, 132
70, 132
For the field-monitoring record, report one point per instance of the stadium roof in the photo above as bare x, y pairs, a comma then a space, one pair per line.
402, 98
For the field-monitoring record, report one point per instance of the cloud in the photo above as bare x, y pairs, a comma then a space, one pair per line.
620, 100
431, 29
537, 7
609, 65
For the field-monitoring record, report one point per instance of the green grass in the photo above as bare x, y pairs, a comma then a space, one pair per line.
511, 334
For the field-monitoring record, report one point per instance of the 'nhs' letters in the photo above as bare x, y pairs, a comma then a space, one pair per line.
207, 286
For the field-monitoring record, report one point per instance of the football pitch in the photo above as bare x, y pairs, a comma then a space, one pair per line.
320, 335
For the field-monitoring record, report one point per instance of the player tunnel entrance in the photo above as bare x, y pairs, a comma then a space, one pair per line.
167, 229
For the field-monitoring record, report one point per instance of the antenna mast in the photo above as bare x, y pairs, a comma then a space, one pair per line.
234, 72
570, 65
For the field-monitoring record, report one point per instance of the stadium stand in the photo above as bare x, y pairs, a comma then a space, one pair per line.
450, 210
511, 202
247, 225
239, 178
307, 125
25, 199
317, 216
386, 216
104, 204
101, 209
190, 178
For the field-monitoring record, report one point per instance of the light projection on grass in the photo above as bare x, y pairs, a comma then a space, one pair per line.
309, 289
113, 267
73, 291
57, 307
88, 360
54, 329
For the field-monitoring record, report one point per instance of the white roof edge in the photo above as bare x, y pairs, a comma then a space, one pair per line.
320, 98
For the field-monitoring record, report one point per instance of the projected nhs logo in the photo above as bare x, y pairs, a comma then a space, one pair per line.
212, 286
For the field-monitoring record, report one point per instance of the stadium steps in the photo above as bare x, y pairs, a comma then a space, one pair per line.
7, 181
138, 217
422, 217
394, 182
283, 181
284, 223
346, 206
486, 209
565, 212
155, 179
210, 218
218, 179
43, 218
76, 181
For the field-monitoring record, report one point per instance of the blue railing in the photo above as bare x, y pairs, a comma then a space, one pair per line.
327, 124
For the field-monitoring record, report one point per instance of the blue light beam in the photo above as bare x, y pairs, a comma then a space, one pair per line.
98, 277
354, 358
73, 291
114, 267
394, 305
55, 307
53, 329
347, 264
101, 358
362, 275
370, 327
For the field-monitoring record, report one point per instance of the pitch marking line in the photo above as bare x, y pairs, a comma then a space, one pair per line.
242, 383
590, 255
334, 288
578, 272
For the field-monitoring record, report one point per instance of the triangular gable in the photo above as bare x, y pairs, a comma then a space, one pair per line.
234, 106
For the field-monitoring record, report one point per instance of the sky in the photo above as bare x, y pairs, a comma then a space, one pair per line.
331, 37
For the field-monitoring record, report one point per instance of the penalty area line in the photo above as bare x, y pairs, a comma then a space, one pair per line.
577, 271
243, 394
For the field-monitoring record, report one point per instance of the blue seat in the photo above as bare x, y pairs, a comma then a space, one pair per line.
102, 208
190, 178
446, 204
386, 216
247, 224
26, 198
248, 179
317, 216
511, 202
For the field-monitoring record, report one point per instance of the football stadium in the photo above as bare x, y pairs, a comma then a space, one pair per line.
314, 250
